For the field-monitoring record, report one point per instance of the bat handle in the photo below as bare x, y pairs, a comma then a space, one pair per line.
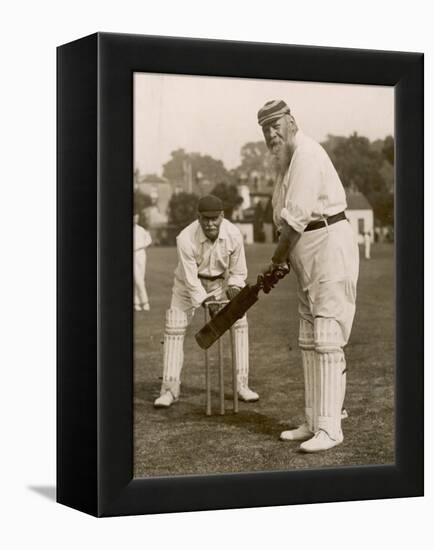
266, 282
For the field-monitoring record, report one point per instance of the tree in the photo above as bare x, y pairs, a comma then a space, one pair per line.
141, 201
210, 168
256, 165
258, 224
383, 205
183, 209
174, 169
254, 156
357, 163
229, 196
389, 150
365, 166
190, 169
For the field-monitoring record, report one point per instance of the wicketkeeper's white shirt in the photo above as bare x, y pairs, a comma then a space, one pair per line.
197, 255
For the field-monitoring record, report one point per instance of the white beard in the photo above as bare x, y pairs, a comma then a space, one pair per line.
282, 155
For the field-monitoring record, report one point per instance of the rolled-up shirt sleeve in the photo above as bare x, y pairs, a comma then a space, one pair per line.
237, 269
302, 195
188, 266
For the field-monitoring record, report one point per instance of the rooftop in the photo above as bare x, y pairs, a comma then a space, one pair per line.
357, 201
152, 178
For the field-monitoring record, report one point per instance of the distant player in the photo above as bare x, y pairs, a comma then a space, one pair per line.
211, 266
142, 239
309, 210
367, 243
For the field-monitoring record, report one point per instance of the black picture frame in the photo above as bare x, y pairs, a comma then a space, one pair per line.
95, 318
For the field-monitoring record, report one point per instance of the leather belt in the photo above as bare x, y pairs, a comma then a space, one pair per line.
211, 277
328, 221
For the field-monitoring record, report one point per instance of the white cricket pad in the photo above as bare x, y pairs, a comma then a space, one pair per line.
328, 393
329, 377
306, 335
327, 335
241, 350
307, 344
308, 360
176, 326
343, 382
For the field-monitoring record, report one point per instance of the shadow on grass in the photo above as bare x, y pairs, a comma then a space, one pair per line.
189, 412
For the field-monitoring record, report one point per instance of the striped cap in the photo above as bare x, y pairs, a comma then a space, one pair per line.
272, 110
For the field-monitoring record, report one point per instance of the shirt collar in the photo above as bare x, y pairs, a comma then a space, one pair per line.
223, 233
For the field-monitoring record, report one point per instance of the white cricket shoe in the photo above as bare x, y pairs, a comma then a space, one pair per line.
299, 434
321, 441
146, 307
137, 307
246, 394
164, 401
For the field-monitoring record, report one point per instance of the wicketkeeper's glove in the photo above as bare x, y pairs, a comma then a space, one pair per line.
232, 291
212, 308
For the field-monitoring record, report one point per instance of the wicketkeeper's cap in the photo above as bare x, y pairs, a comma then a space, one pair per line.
210, 205
272, 110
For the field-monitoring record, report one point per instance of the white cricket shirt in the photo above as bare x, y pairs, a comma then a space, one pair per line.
197, 255
142, 238
310, 189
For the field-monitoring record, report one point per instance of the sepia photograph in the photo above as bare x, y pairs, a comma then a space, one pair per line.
263, 267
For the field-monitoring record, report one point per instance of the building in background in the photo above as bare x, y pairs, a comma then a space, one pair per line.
360, 214
159, 190
244, 193
253, 216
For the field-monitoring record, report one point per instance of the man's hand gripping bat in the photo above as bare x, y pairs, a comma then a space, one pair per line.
237, 307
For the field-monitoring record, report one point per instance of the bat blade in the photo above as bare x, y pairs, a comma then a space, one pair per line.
227, 316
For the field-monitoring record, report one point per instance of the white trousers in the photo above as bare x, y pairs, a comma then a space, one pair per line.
140, 294
326, 262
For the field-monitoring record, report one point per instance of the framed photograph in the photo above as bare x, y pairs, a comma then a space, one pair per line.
240, 274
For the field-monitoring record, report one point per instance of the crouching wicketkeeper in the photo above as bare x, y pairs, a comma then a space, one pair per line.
211, 266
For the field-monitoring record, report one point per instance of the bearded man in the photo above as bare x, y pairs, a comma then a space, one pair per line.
316, 239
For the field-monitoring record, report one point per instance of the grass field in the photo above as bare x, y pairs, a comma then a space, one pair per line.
182, 440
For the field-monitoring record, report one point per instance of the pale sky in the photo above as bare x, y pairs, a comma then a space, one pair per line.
217, 116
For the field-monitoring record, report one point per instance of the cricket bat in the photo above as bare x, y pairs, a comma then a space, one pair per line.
237, 307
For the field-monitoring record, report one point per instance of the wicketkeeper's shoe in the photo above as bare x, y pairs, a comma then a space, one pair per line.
164, 401
302, 433
246, 394
321, 441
